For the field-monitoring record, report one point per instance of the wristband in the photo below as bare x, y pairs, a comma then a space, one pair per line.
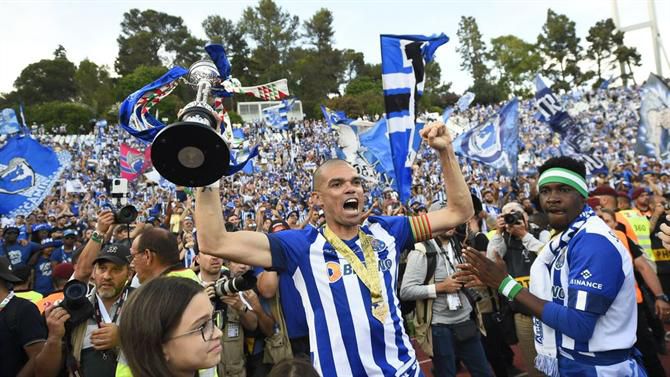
97, 237
509, 287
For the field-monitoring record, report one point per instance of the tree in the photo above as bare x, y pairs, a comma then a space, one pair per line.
319, 30
225, 32
626, 57
517, 62
472, 49
47, 80
436, 96
561, 51
274, 32
601, 38
94, 86
154, 38
56, 113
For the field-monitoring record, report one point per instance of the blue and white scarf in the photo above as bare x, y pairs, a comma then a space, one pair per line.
541, 278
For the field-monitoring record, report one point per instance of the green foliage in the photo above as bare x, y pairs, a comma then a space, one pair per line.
94, 86
56, 113
146, 33
516, 61
47, 80
561, 51
230, 35
436, 96
273, 32
472, 48
235, 117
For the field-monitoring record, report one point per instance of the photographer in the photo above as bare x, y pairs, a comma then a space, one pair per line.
83, 330
235, 312
445, 318
515, 243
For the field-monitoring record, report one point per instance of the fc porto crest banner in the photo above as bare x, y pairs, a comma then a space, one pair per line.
494, 143
28, 171
133, 162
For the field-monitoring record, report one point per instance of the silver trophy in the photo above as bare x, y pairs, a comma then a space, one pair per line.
191, 152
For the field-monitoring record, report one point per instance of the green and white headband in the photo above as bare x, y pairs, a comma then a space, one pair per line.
566, 177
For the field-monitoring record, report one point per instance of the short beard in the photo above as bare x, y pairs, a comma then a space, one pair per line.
110, 293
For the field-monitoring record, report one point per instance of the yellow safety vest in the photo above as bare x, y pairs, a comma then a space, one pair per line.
641, 227
32, 296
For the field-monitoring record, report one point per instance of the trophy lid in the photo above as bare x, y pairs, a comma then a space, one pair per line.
203, 70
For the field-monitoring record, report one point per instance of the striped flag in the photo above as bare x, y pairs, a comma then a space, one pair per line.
277, 116
403, 77
274, 91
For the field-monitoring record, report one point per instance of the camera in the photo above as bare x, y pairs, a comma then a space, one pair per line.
513, 218
119, 193
76, 303
226, 286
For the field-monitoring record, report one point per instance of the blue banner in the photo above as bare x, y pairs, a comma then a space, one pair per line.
494, 143
465, 101
334, 117
277, 116
9, 124
134, 114
376, 148
653, 136
403, 77
28, 171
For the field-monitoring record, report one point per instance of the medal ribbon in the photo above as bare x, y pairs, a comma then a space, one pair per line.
367, 272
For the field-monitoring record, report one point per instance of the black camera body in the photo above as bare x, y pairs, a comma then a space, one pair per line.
513, 218
226, 286
76, 303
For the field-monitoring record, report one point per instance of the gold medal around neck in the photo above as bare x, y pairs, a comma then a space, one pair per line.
367, 272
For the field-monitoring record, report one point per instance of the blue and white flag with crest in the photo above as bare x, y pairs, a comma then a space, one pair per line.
277, 116
653, 136
404, 58
28, 171
494, 143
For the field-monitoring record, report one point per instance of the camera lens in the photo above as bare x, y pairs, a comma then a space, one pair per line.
117, 182
126, 215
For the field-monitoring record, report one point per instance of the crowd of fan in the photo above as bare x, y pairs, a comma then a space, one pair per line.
43, 247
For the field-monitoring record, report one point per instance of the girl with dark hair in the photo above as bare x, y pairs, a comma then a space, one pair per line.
167, 329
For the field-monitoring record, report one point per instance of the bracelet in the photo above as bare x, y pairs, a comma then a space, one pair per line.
97, 237
510, 287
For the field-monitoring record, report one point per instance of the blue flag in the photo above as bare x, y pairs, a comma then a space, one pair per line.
245, 155
8, 123
495, 142
28, 171
403, 76
376, 148
334, 117
277, 116
447, 114
653, 137
465, 101
134, 114
605, 84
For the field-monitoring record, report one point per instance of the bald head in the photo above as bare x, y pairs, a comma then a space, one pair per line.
318, 180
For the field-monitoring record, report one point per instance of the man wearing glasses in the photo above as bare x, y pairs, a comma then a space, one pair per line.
93, 343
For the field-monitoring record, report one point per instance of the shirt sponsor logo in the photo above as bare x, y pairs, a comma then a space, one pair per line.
586, 274
336, 271
589, 284
557, 292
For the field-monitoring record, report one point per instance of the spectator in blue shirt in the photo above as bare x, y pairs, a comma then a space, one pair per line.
17, 252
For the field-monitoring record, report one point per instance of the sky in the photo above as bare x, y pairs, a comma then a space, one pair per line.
88, 29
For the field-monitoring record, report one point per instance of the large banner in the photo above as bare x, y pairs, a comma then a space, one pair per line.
28, 171
403, 77
653, 136
494, 143
133, 162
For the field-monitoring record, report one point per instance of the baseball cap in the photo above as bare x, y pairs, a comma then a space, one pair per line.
116, 253
22, 271
278, 226
6, 271
70, 232
604, 190
637, 192
12, 228
622, 194
63, 271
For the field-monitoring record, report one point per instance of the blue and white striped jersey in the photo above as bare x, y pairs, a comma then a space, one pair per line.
596, 276
345, 339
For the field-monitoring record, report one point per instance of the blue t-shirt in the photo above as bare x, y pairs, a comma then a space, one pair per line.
61, 256
18, 254
43, 283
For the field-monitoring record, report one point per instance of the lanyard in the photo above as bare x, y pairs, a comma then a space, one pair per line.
101, 314
6, 301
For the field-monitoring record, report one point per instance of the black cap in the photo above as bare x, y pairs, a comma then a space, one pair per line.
116, 253
6, 271
12, 228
